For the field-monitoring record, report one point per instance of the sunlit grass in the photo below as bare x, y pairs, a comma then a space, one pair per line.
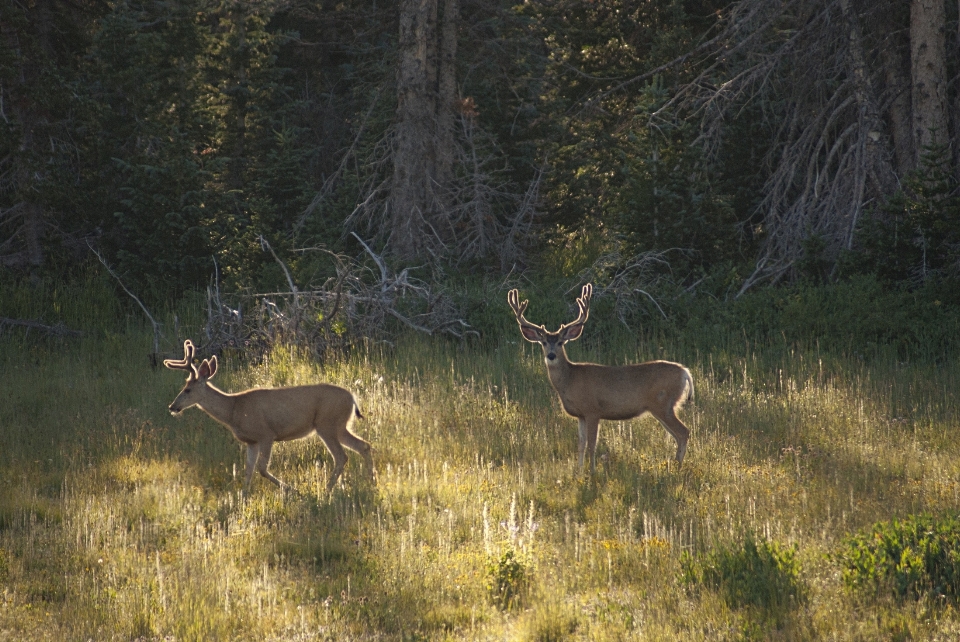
118, 521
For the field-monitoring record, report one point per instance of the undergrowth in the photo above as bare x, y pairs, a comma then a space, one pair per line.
912, 557
754, 572
119, 522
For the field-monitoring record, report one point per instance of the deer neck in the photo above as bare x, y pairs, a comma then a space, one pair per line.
559, 370
217, 403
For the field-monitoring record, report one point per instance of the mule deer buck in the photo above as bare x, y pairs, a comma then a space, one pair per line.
262, 416
592, 392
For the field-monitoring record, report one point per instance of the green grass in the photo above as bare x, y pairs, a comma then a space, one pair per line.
119, 521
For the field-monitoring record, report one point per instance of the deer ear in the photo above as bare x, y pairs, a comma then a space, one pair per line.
530, 334
572, 332
208, 368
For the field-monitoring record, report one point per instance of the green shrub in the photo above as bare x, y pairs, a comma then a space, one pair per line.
761, 573
508, 578
910, 558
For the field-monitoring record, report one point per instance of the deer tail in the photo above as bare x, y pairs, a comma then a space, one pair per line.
687, 394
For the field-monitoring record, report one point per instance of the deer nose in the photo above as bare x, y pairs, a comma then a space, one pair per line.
551, 356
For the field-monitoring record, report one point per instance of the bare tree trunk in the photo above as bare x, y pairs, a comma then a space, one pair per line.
928, 57
447, 92
409, 203
875, 157
424, 149
896, 66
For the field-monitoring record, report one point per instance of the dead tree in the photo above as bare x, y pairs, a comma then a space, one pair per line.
436, 186
853, 89
362, 303
423, 136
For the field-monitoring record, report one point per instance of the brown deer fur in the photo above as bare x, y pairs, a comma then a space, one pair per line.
592, 392
261, 416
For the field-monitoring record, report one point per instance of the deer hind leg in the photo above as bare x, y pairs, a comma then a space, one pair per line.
677, 429
362, 447
339, 459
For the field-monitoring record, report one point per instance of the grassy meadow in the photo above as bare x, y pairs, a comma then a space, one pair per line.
119, 521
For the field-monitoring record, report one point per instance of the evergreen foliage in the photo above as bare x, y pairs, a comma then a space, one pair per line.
915, 236
174, 135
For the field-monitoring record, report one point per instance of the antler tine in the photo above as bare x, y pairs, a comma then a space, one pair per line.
189, 350
585, 295
583, 302
513, 298
519, 307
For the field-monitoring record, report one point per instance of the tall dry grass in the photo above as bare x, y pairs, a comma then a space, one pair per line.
119, 522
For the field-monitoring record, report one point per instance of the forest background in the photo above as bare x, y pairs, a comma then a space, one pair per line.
680, 154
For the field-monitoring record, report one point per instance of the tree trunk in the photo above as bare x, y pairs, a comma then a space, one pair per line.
408, 202
896, 67
928, 59
447, 91
875, 153
423, 153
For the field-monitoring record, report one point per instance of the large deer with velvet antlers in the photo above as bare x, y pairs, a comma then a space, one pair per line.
261, 416
592, 392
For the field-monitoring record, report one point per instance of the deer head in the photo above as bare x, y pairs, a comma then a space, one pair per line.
196, 377
552, 342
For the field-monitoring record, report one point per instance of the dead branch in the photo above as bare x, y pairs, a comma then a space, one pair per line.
156, 326
58, 329
625, 278
330, 184
360, 303
803, 63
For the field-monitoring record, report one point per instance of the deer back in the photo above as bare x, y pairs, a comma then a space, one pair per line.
620, 392
290, 412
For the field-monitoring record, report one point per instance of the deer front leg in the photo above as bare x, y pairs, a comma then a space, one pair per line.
263, 465
582, 432
592, 425
253, 452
